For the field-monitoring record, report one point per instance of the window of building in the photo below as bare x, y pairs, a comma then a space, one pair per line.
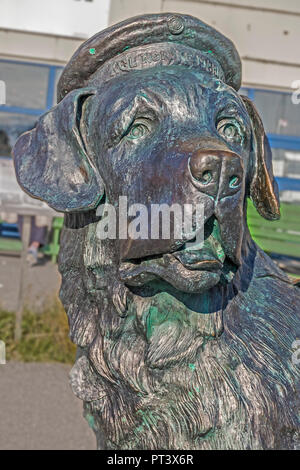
281, 118
30, 92
26, 86
279, 114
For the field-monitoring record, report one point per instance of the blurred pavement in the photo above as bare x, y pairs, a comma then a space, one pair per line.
43, 283
39, 411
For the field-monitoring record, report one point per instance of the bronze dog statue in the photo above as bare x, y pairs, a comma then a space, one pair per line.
178, 347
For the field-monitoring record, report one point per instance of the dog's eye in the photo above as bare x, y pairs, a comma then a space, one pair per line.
137, 130
231, 130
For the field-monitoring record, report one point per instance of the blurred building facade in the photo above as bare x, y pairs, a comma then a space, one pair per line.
37, 38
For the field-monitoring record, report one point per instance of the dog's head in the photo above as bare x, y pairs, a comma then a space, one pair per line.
162, 124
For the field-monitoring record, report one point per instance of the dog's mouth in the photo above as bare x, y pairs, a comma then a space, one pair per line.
201, 265
192, 268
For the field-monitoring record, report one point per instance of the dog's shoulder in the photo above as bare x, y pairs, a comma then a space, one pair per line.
272, 291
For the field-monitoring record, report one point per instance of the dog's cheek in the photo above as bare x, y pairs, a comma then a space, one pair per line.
83, 322
84, 382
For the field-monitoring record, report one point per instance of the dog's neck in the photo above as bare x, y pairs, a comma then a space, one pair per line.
168, 379
168, 376
157, 303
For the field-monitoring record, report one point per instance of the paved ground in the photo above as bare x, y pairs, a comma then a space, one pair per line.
43, 282
37, 407
39, 411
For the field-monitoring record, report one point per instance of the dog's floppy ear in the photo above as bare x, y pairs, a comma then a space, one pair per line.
263, 187
52, 161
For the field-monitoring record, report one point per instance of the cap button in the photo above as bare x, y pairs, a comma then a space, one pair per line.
175, 24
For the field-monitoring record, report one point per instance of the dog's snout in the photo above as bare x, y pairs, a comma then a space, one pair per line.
216, 173
205, 168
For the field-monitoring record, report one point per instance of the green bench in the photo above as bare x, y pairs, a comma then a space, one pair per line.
8, 245
280, 236
52, 248
14, 246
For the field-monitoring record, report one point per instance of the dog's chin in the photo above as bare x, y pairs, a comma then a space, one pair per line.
194, 267
176, 270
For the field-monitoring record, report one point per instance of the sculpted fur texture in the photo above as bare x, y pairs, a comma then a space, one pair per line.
179, 346
165, 375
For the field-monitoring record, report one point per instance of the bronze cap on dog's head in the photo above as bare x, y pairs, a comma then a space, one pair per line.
189, 35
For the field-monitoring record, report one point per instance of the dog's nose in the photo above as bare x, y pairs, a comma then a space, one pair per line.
216, 172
